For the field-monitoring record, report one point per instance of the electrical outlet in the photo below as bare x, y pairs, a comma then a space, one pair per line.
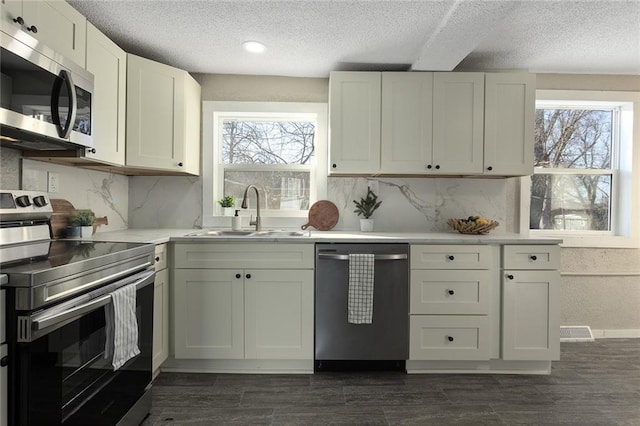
53, 182
373, 185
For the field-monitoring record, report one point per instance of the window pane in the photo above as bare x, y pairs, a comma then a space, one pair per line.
279, 190
570, 202
573, 138
267, 142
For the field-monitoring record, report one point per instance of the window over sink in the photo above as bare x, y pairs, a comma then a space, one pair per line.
279, 147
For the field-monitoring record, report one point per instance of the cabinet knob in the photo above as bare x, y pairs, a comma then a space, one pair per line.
510, 276
19, 20
533, 257
451, 257
180, 164
4, 361
238, 276
334, 165
451, 292
157, 258
248, 276
92, 150
437, 166
429, 166
450, 338
33, 29
489, 168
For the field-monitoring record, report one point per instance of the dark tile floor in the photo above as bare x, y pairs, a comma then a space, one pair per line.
594, 384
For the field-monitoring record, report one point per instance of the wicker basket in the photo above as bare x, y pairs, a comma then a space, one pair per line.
465, 226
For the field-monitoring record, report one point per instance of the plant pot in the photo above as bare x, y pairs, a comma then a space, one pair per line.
227, 211
366, 225
86, 231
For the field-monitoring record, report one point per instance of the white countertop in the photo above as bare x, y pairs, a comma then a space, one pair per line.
159, 236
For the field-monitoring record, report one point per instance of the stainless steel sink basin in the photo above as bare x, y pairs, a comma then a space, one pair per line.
271, 233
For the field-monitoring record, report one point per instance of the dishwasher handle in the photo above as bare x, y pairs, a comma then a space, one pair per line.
335, 256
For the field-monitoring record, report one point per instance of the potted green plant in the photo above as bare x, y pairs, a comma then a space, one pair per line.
365, 207
227, 203
84, 220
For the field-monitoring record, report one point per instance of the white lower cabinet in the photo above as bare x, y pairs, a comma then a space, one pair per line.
449, 337
160, 350
244, 313
530, 303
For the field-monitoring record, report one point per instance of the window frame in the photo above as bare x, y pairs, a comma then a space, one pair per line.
624, 169
213, 171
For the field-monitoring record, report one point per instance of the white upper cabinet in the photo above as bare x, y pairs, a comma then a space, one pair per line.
55, 23
108, 64
508, 124
458, 122
163, 124
406, 122
354, 123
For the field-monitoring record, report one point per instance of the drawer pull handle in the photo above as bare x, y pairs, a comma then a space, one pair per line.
450, 338
533, 257
510, 276
451, 292
157, 258
451, 257
238, 276
248, 276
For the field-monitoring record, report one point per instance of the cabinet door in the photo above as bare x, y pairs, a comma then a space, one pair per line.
59, 26
279, 314
192, 112
10, 10
354, 122
160, 319
108, 64
458, 122
450, 292
155, 115
508, 123
530, 315
208, 314
407, 100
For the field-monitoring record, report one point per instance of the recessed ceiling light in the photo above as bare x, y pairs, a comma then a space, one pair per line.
253, 46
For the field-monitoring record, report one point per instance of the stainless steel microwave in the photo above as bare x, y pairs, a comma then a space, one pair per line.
46, 99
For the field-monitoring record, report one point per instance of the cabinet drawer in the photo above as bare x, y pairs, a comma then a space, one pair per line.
161, 257
244, 255
448, 337
450, 257
531, 257
450, 292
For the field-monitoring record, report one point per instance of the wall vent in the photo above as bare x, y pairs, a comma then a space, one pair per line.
576, 333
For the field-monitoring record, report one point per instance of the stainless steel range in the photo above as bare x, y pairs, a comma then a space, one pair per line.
61, 363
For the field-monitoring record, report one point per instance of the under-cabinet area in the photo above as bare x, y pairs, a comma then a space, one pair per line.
247, 306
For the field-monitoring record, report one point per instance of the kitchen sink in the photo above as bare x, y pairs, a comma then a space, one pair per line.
249, 233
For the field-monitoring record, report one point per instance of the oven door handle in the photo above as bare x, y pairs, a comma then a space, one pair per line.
334, 256
44, 322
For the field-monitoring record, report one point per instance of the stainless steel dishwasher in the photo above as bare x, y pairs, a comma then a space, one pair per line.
386, 338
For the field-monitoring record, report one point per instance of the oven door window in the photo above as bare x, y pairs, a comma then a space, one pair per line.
68, 379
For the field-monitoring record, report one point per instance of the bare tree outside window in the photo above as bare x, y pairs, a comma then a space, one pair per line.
274, 155
572, 184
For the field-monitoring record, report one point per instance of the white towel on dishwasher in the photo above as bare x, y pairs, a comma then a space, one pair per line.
121, 326
360, 303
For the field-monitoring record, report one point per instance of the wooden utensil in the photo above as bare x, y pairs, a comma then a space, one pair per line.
323, 215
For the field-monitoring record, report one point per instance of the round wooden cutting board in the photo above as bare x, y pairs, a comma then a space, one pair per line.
323, 215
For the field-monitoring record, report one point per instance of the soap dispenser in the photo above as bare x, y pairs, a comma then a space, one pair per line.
236, 222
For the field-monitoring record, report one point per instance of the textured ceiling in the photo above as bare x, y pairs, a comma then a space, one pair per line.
310, 38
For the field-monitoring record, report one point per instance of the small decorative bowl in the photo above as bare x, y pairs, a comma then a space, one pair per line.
465, 226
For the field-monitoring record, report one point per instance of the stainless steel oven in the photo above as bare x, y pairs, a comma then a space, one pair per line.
58, 299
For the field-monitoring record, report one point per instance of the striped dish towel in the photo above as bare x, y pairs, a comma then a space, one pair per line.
121, 327
360, 304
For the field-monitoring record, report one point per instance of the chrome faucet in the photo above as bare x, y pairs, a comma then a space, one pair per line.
256, 222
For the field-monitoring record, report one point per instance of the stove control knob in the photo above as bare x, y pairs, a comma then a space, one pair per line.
40, 201
23, 201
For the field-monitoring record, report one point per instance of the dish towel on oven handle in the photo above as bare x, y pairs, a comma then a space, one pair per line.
360, 302
121, 326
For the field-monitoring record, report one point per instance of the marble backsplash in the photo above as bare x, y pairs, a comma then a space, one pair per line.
408, 205
106, 194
